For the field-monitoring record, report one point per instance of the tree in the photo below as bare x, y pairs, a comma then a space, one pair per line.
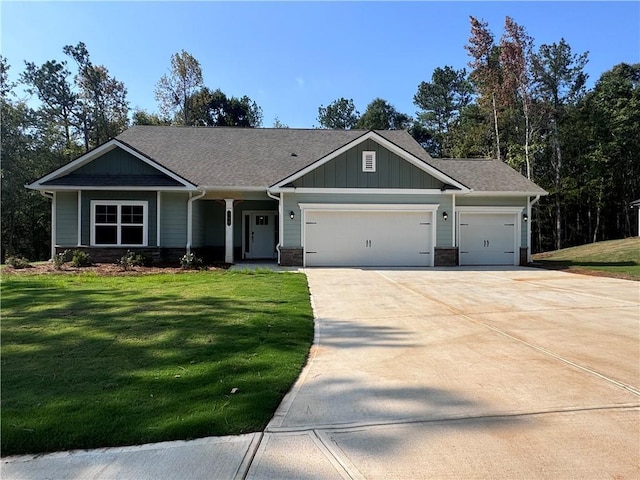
441, 102
486, 73
103, 99
173, 91
341, 114
278, 124
381, 115
612, 110
24, 214
515, 56
52, 85
559, 81
142, 117
215, 109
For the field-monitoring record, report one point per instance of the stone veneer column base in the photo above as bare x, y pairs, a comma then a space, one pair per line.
291, 257
446, 257
524, 256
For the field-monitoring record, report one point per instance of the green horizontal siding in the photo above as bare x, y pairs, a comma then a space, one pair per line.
345, 171
173, 221
89, 196
66, 219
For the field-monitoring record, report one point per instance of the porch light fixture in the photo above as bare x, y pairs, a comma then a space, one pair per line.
445, 215
292, 214
525, 217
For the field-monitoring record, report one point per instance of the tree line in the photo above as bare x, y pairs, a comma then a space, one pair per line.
528, 107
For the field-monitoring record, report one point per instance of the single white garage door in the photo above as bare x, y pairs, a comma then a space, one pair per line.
363, 238
487, 238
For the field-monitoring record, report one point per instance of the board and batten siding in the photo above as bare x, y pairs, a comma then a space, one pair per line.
345, 171
292, 237
116, 162
66, 219
464, 201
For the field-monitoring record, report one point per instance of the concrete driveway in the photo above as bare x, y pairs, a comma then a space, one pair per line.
510, 373
463, 373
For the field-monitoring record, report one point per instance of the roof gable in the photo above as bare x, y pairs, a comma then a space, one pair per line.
112, 165
346, 171
387, 144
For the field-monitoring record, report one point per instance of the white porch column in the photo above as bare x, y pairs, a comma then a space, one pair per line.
228, 228
54, 226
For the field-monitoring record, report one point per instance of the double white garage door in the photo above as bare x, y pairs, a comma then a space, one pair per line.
369, 237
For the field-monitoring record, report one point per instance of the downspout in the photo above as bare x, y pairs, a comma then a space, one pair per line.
51, 196
530, 219
280, 221
190, 219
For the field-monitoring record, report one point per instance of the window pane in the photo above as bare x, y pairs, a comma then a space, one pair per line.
131, 235
132, 214
106, 235
106, 213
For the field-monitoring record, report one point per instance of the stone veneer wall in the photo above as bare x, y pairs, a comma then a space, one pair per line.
524, 256
446, 257
157, 256
291, 257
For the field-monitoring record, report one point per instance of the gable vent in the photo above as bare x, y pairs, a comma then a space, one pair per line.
368, 161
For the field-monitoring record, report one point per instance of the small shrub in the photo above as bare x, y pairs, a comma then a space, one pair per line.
18, 262
189, 261
59, 259
80, 258
130, 260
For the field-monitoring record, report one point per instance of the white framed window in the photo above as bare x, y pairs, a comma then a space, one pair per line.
121, 223
369, 161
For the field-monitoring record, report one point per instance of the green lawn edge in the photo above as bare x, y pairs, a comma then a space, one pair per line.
93, 361
612, 258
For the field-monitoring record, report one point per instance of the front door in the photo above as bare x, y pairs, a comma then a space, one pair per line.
260, 235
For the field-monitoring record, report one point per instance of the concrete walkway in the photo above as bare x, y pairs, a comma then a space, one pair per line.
432, 373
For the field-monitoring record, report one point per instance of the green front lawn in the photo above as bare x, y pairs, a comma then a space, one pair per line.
93, 361
616, 258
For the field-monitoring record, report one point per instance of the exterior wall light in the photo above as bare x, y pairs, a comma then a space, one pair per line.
292, 214
525, 217
445, 215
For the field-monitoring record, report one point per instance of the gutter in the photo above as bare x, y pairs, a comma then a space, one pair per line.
529, 205
190, 219
280, 220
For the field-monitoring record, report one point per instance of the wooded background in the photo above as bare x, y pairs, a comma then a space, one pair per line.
526, 106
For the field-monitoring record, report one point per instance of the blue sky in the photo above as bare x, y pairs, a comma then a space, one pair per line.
292, 57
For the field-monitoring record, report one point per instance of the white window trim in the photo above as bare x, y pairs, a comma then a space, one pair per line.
365, 168
119, 204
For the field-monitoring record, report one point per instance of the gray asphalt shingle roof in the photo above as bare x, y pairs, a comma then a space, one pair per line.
260, 157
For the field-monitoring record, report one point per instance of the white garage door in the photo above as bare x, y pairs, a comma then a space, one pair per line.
368, 238
487, 238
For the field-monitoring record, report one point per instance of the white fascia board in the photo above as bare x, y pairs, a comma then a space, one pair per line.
364, 191
474, 193
371, 207
231, 188
489, 209
95, 153
72, 188
371, 135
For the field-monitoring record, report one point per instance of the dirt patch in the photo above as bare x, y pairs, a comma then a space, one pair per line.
106, 269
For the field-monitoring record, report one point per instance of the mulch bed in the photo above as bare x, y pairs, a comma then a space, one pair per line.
107, 269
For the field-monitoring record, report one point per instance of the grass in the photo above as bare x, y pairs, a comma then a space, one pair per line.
615, 258
93, 361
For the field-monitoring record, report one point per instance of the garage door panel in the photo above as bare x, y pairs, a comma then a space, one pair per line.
368, 238
487, 238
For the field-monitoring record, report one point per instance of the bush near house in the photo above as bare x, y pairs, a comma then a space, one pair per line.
93, 361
